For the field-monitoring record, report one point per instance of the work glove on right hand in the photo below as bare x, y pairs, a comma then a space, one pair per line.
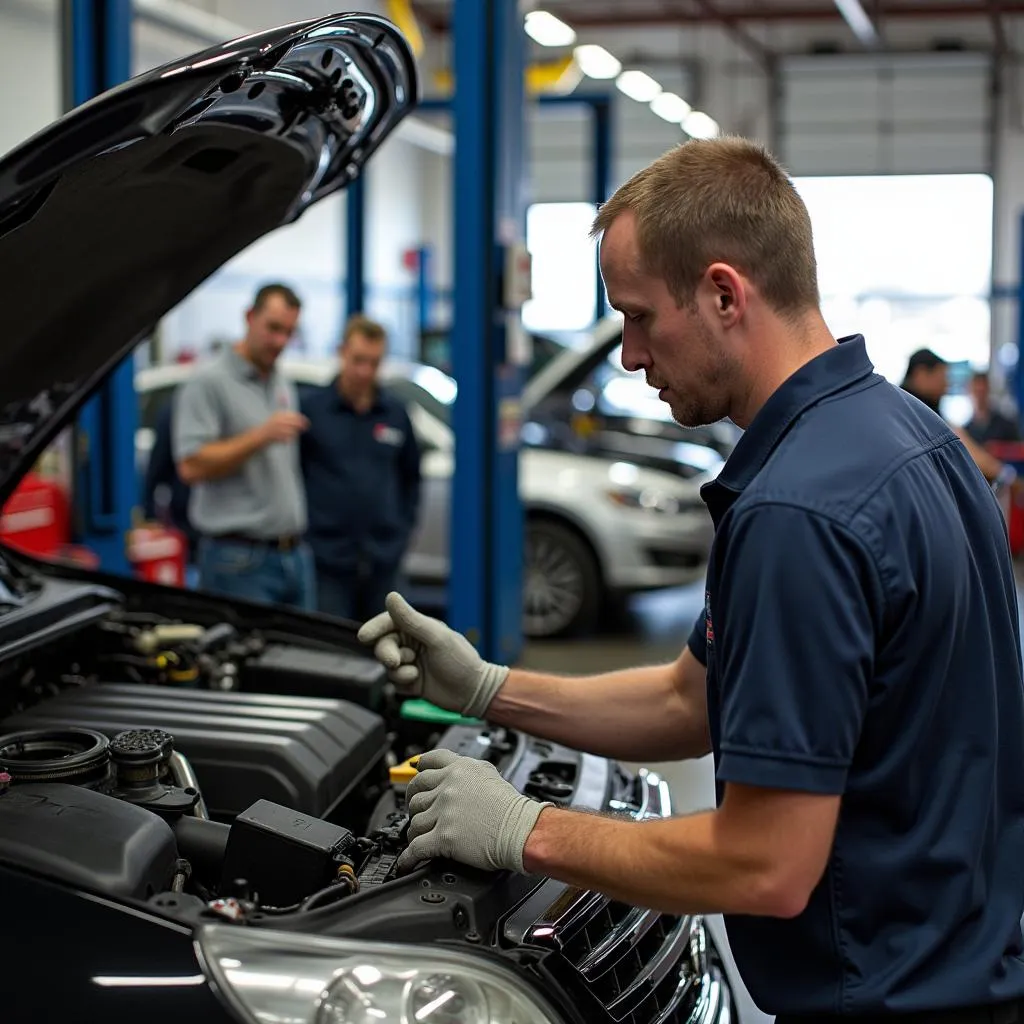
425, 658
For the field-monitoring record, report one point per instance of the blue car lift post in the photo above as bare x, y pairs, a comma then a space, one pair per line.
486, 531
97, 44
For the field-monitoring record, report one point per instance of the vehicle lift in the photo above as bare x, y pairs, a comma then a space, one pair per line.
97, 56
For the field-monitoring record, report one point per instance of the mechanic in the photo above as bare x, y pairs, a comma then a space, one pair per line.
987, 423
361, 464
164, 496
236, 428
927, 379
856, 672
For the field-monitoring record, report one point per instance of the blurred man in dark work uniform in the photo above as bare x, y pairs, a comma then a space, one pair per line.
361, 465
927, 379
988, 424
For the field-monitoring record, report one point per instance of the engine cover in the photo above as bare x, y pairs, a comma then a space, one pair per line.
302, 752
86, 839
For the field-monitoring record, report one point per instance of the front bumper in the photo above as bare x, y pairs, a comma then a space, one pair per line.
652, 551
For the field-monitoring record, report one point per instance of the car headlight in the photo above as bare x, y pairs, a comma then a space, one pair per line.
650, 500
310, 979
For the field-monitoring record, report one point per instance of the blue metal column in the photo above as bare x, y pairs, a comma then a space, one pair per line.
424, 292
1019, 368
355, 240
98, 38
485, 585
601, 114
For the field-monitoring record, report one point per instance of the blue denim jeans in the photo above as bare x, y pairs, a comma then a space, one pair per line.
258, 572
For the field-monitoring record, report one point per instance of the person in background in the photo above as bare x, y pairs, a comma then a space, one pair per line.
236, 431
165, 496
988, 424
927, 379
361, 464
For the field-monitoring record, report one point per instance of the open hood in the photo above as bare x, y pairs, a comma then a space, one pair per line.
116, 212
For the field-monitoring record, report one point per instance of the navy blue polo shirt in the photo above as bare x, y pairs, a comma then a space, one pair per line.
861, 638
362, 476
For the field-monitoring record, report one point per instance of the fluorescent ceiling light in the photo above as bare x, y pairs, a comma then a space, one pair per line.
670, 106
860, 24
547, 30
596, 61
638, 86
699, 126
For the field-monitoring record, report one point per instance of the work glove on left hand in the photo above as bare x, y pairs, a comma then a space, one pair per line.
463, 809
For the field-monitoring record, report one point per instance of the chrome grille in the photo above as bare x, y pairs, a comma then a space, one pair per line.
641, 966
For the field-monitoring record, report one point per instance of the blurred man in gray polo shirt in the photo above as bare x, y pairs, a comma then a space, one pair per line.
236, 430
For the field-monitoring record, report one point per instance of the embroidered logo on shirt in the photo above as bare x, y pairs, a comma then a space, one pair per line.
388, 435
709, 629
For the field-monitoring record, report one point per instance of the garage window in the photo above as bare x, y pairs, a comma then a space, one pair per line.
905, 260
564, 267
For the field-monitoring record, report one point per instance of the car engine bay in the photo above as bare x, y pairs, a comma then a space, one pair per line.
206, 772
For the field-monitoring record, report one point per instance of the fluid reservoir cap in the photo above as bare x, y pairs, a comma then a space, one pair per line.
141, 745
404, 773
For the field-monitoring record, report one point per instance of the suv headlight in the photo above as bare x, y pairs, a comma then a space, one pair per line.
309, 979
649, 500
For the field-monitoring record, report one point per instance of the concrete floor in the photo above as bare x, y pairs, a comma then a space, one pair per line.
653, 629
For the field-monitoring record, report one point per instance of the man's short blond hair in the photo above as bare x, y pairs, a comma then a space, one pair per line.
724, 199
360, 324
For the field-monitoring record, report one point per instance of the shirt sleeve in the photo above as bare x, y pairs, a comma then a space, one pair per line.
197, 419
698, 641
795, 624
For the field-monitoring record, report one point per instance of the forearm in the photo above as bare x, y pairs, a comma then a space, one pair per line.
678, 866
629, 715
221, 458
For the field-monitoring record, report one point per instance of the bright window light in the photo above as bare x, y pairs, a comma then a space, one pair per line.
547, 30
699, 125
671, 107
638, 86
890, 269
596, 62
564, 261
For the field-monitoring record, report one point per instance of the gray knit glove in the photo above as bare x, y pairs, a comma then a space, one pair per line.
425, 658
461, 808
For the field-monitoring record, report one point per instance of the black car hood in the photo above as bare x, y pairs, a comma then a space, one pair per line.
113, 214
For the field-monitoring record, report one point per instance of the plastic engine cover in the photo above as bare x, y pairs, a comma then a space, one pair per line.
304, 752
86, 839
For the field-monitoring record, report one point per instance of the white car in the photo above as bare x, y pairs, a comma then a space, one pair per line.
595, 526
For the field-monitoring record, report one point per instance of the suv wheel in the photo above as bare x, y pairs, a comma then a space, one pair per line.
561, 582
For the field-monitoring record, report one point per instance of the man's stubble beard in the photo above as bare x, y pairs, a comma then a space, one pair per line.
708, 402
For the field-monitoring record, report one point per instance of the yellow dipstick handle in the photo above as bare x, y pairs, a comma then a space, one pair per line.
400, 774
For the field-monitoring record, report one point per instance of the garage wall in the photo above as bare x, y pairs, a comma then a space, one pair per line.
910, 114
29, 68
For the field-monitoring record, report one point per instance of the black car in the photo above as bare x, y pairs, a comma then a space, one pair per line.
201, 800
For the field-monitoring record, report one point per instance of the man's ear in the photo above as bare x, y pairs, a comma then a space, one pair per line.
729, 291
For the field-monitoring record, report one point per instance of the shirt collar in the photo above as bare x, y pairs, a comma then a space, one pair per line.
243, 369
834, 370
378, 405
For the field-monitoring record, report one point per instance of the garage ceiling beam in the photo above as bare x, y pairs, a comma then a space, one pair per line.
764, 57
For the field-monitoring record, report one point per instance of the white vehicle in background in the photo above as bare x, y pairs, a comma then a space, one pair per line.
596, 526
